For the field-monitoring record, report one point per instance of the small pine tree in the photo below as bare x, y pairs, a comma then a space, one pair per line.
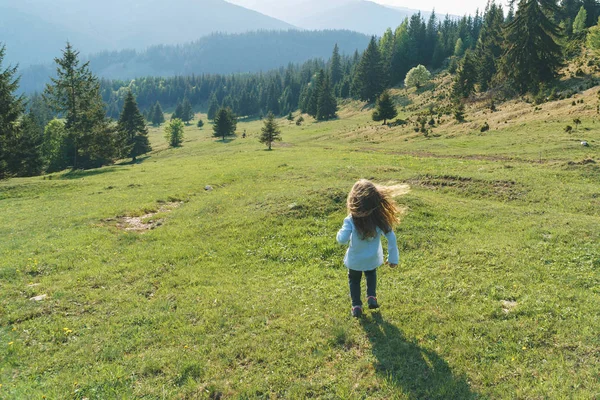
459, 113
290, 117
459, 48
225, 123
593, 38
174, 132
270, 132
158, 116
132, 129
300, 120
579, 22
385, 109
200, 124
178, 114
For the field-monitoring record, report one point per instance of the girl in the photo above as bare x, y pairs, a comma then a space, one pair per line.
372, 214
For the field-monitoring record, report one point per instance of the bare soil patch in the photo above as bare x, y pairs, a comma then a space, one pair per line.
144, 222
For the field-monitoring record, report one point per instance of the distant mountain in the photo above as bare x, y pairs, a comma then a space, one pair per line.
217, 53
356, 15
36, 30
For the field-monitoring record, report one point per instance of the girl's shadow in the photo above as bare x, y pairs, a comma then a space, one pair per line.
420, 373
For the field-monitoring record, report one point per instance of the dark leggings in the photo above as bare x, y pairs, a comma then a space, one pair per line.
354, 278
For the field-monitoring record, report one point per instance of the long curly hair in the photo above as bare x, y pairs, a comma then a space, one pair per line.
371, 207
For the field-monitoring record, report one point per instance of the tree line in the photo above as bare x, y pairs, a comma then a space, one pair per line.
33, 142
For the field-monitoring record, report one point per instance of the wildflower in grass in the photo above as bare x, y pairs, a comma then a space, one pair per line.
524, 347
10, 343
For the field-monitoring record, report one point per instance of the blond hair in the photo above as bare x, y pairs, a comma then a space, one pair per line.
372, 207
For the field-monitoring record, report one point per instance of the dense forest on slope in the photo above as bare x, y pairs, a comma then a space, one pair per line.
30, 28
217, 53
416, 41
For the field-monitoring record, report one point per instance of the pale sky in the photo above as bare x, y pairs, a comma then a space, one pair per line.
285, 9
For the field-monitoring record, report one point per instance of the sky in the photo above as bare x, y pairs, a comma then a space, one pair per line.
285, 8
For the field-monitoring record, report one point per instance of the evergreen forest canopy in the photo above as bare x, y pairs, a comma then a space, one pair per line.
249, 52
513, 53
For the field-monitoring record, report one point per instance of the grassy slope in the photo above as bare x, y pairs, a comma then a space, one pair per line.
241, 292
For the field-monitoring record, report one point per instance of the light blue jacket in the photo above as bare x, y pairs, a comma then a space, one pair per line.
366, 254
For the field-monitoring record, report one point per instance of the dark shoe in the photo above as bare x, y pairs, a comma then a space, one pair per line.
357, 311
372, 302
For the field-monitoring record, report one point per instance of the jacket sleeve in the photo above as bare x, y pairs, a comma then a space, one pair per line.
393, 253
343, 235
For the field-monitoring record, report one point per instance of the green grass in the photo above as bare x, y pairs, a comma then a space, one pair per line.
241, 292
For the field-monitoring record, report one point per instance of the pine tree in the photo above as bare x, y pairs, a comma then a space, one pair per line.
213, 108
24, 148
385, 109
593, 38
270, 132
580, 20
75, 93
225, 123
178, 114
532, 55
466, 77
369, 80
315, 94
158, 116
459, 48
132, 129
489, 45
326, 104
11, 108
187, 113
174, 132
336, 72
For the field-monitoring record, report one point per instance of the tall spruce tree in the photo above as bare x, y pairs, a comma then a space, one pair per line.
132, 129
270, 132
158, 116
326, 104
75, 93
532, 54
369, 80
489, 46
335, 69
466, 77
386, 109
11, 108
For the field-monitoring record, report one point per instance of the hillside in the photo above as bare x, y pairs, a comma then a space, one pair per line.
253, 52
240, 291
115, 25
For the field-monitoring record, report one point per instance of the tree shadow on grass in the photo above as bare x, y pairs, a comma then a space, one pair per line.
227, 140
83, 173
418, 372
139, 160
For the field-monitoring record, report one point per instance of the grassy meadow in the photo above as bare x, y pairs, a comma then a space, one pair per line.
240, 291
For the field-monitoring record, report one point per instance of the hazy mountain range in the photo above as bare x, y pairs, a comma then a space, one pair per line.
217, 53
34, 31
355, 15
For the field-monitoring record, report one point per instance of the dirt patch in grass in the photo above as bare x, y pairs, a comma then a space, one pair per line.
498, 189
148, 221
